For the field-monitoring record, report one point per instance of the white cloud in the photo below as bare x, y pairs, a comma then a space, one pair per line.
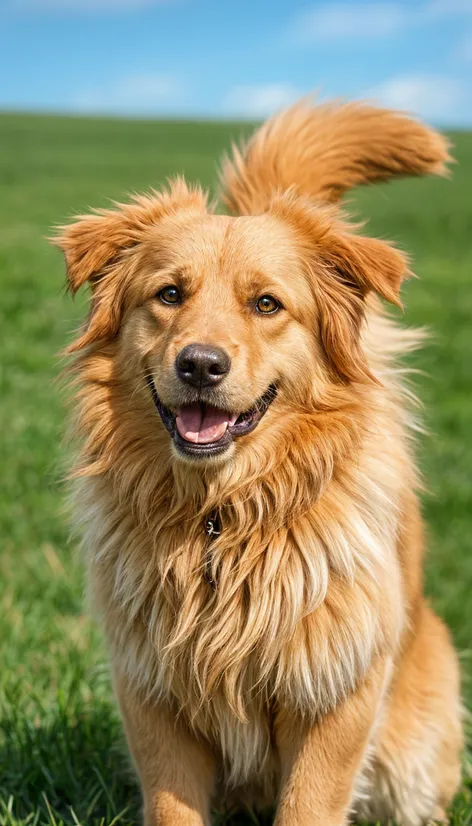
447, 7
335, 21
464, 48
259, 100
140, 94
434, 98
331, 21
86, 6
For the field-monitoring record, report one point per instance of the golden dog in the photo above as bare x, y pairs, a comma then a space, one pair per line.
247, 486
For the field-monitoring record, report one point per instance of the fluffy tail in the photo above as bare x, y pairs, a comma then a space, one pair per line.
325, 150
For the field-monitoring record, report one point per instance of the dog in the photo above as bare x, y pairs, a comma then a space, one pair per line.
247, 487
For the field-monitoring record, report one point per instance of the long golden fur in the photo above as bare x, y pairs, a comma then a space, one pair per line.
292, 659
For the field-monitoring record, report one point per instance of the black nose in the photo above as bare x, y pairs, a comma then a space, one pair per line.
201, 365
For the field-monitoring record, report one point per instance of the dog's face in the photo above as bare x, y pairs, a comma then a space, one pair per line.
223, 328
227, 324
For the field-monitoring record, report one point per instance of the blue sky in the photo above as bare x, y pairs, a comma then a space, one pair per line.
235, 58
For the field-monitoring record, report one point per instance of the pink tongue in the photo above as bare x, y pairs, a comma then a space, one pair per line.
202, 425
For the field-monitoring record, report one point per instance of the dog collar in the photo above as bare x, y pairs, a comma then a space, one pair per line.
212, 528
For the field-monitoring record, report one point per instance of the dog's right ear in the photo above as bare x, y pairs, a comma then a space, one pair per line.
95, 248
93, 242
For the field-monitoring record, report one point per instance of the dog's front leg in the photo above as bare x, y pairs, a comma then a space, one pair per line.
320, 761
175, 770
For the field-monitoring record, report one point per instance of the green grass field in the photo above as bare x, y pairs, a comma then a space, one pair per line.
62, 756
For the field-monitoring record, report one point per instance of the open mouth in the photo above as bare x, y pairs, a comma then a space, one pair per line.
200, 429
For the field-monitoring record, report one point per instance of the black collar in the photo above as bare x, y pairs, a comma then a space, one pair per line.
212, 525
212, 528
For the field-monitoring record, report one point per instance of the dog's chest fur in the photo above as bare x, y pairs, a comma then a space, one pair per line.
293, 619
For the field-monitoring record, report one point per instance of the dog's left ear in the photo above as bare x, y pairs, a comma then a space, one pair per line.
367, 264
353, 266
343, 268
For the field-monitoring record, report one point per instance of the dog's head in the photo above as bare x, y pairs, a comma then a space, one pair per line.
226, 325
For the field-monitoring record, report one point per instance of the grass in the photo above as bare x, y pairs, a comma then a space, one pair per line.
62, 757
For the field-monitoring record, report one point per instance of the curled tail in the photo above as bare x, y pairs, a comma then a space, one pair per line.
325, 150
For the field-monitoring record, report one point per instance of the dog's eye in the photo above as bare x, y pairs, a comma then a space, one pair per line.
267, 304
169, 295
